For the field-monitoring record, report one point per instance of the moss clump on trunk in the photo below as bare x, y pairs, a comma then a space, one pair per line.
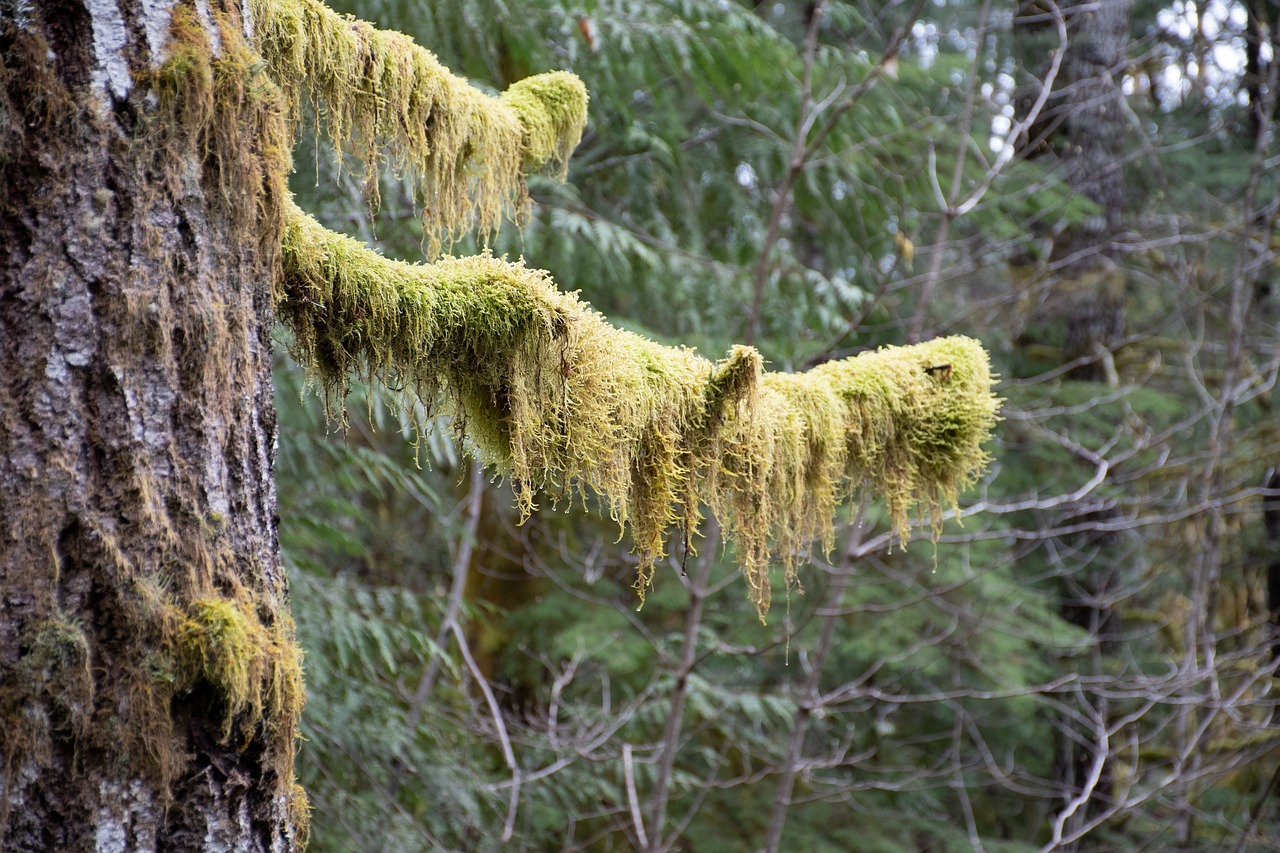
255, 669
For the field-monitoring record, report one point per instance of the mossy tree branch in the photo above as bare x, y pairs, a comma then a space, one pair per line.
390, 103
561, 401
543, 387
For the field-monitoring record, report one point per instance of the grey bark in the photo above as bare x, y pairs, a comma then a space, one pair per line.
137, 440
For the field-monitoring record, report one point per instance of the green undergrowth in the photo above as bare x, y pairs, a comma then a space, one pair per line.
388, 102
565, 404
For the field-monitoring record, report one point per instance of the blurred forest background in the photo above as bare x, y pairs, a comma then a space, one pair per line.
1087, 662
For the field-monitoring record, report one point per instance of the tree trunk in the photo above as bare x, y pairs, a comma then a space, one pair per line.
1082, 132
149, 680
1261, 36
1083, 129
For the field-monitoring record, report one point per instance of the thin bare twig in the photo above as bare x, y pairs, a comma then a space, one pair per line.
805, 144
633, 801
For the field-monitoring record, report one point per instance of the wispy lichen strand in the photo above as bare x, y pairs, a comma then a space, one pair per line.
388, 102
563, 402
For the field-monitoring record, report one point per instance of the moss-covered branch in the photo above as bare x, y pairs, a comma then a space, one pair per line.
387, 101
543, 386
560, 400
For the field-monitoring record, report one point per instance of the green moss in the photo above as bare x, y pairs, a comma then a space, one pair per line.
47, 692
238, 646
384, 99
545, 389
226, 107
561, 401
553, 110
55, 664
219, 645
256, 669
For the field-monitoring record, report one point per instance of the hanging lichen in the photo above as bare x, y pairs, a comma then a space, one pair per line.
387, 101
561, 401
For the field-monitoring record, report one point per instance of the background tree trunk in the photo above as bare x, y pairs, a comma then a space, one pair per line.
1271, 523
1082, 311
1093, 149
1263, 32
1083, 129
149, 682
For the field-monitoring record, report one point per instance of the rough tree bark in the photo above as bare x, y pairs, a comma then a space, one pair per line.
149, 682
